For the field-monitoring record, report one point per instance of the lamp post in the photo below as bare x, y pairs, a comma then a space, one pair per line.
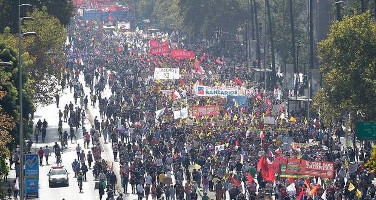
5, 64
338, 10
20, 36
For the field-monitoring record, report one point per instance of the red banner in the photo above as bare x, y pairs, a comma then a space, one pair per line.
200, 111
182, 54
311, 168
157, 48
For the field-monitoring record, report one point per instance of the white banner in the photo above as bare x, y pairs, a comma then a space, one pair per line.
216, 91
166, 73
183, 113
159, 113
219, 148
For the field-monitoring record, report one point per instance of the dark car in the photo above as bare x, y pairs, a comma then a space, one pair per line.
58, 176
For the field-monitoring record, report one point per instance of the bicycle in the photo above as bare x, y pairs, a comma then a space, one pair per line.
58, 160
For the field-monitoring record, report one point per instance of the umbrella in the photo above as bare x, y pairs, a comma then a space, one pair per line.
192, 167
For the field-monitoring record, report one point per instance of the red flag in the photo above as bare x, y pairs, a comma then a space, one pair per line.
249, 178
269, 175
181, 82
307, 183
110, 18
259, 96
218, 61
301, 195
237, 143
278, 151
260, 163
197, 64
234, 181
291, 180
203, 57
238, 81
176, 155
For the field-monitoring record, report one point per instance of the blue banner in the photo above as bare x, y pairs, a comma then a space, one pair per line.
237, 101
31, 166
31, 187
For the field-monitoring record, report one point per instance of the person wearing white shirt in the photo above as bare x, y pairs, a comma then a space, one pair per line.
148, 179
140, 191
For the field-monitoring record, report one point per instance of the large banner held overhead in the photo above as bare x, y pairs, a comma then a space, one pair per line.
200, 111
206, 91
182, 54
311, 168
237, 101
166, 73
158, 48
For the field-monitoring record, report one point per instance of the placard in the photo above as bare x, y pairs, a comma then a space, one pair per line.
199, 111
166, 73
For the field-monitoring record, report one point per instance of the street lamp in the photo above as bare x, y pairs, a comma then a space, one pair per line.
20, 36
6, 64
338, 8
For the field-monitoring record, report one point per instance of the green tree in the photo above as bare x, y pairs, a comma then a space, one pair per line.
47, 51
349, 69
61, 9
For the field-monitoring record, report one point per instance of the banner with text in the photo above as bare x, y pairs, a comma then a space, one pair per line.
311, 168
200, 111
182, 54
166, 73
158, 48
223, 92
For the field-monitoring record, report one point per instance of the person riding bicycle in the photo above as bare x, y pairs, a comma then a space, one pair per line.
80, 178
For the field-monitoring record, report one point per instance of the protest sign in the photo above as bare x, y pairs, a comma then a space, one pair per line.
157, 48
182, 54
311, 168
237, 101
269, 120
166, 73
199, 111
183, 113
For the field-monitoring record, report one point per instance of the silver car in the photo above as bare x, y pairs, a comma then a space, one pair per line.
58, 176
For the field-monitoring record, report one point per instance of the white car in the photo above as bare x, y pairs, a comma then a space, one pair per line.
58, 175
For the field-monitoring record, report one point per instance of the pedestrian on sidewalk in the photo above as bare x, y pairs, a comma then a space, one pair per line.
140, 191
78, 151
89, 158
40, 154
82, 157
15, 188
84, 171
47, 153
57, 97
115, 149
75, 167
87, 139
102, 186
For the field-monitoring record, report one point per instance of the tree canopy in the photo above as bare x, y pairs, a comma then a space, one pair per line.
47, 51
348, 66
61, 9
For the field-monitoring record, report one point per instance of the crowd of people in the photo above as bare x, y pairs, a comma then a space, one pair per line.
233, 153
190, 158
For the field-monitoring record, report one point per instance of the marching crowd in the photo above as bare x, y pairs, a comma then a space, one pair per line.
223, 155
233, 154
